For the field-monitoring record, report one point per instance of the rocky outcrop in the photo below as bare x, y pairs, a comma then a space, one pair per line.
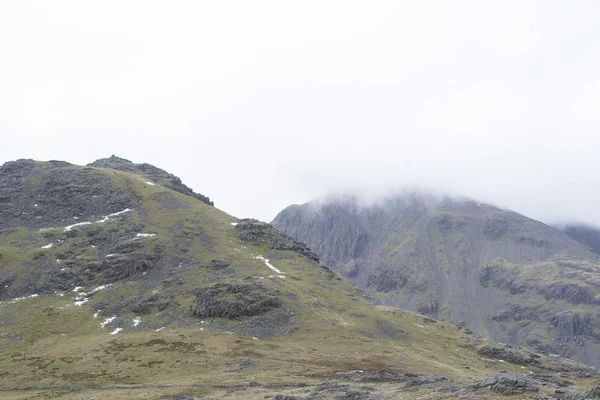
233, 301
254, 231
156, 174
508, 355
508, 384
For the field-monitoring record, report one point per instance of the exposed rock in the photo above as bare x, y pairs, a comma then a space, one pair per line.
254, 231
384, 375
508, 355
508, 384
424, 380
233, 301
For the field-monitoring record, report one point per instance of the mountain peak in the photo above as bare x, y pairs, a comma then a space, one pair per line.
157, 174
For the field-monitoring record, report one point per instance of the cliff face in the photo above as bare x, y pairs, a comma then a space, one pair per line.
493, 271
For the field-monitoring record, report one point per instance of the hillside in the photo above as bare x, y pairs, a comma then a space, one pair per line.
493, 271
114, 285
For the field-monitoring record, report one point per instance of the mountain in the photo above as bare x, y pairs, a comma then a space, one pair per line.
584, 234
117, 281
493, 271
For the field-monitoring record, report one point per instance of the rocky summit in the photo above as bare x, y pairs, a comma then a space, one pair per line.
117, 281
493, 271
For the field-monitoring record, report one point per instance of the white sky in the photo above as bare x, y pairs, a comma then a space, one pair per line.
260, 104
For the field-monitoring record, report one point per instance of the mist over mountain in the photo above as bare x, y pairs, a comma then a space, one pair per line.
497, 272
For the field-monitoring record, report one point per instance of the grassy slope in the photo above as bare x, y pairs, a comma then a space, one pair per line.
48, 341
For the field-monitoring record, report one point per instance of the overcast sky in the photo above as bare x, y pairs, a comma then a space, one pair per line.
261, 104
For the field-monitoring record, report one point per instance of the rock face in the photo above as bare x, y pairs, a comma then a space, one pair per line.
508, 384
495, 272
156, 174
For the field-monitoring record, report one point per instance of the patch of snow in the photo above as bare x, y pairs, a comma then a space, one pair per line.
107, 321
75, 217
64, 269
282, 276
271, 276
35, 205
117, 330
96, 314
23, 298
261, 277
234, 223
48, 246
145, 234
266, 261
149, 183
109, 216
81, 300
478, 205
111, 255
99, 288
159, 329
255, 338
92, 246
77, 289
68, 228
136, 321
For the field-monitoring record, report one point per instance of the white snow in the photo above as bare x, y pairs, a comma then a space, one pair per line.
107, 321
145, 234
99, 288
109, 216
282, 276
64, 269
159, 329
116, 331
77, 288
111, 255
81, 300
68, 228
136, 321
234, 223
35, 205
23, 298
48, 246
478, 205
96, 314
266, 261
149, 183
